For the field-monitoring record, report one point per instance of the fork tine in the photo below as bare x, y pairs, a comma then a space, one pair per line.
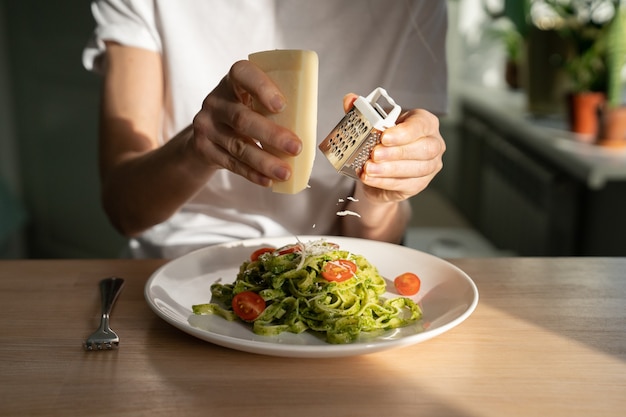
104, 338
101, 345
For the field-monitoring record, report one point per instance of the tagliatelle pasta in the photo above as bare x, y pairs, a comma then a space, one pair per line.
305, 287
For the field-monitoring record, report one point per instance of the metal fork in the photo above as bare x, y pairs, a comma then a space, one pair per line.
104, 338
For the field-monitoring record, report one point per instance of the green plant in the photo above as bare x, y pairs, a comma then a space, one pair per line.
587, 68
515, 11
511, 39
585, 26
616, 58
510, 24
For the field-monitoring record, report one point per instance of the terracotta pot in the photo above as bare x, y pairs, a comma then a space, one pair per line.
584, 113
511, 74
613, 128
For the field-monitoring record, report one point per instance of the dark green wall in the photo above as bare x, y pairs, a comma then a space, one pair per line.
54, 104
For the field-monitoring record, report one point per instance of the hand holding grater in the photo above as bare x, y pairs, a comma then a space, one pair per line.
349, 144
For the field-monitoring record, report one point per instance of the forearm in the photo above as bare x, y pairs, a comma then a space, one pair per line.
382, 221
144, 182
147, 188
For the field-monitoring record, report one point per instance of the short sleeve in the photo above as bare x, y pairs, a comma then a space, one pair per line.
128, 22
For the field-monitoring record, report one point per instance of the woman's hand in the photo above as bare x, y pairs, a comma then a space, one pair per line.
228, 133
135, 168
407, 159
402, 165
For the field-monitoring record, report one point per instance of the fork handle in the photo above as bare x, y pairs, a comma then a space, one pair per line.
110, 288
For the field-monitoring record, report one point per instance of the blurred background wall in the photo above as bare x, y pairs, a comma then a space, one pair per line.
48, 109
49, 192
48, 121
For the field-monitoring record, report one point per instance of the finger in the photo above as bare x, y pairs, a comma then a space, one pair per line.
348, 101
249, 161
410, 126
247, 78
403, 187
225, 146
422, 149
243, 156
233, 164
245, 122
402, 169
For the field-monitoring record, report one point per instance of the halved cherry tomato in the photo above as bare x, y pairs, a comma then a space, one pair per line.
407, 283
289, 249
248, 305
255, 255
338, 271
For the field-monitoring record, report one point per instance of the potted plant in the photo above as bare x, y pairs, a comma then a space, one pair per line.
584, 25
510, 25
513, 45
586, 71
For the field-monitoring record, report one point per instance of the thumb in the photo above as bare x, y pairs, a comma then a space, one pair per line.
348, 101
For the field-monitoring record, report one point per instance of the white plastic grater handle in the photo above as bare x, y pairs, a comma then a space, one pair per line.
374, 113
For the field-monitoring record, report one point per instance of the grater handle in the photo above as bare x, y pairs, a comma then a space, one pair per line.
390, 119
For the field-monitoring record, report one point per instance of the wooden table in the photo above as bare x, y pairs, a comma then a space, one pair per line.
547, 338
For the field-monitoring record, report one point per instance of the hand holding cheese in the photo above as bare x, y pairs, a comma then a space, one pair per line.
295, 72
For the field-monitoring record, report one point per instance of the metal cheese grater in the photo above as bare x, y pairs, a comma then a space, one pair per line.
349, 144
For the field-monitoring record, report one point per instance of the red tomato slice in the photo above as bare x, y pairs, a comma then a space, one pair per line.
338, 271
289, 249
407, 283
248, 305
255, 255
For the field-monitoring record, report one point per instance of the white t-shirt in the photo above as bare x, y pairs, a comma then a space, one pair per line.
362, 44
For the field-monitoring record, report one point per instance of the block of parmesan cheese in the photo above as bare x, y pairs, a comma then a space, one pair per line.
295, 72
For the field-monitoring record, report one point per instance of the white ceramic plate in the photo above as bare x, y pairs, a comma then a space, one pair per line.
447, 297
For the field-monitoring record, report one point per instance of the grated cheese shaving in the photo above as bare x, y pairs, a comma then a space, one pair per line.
311, 248
348, 213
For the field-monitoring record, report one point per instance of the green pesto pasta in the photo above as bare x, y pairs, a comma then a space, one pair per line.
298, 296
